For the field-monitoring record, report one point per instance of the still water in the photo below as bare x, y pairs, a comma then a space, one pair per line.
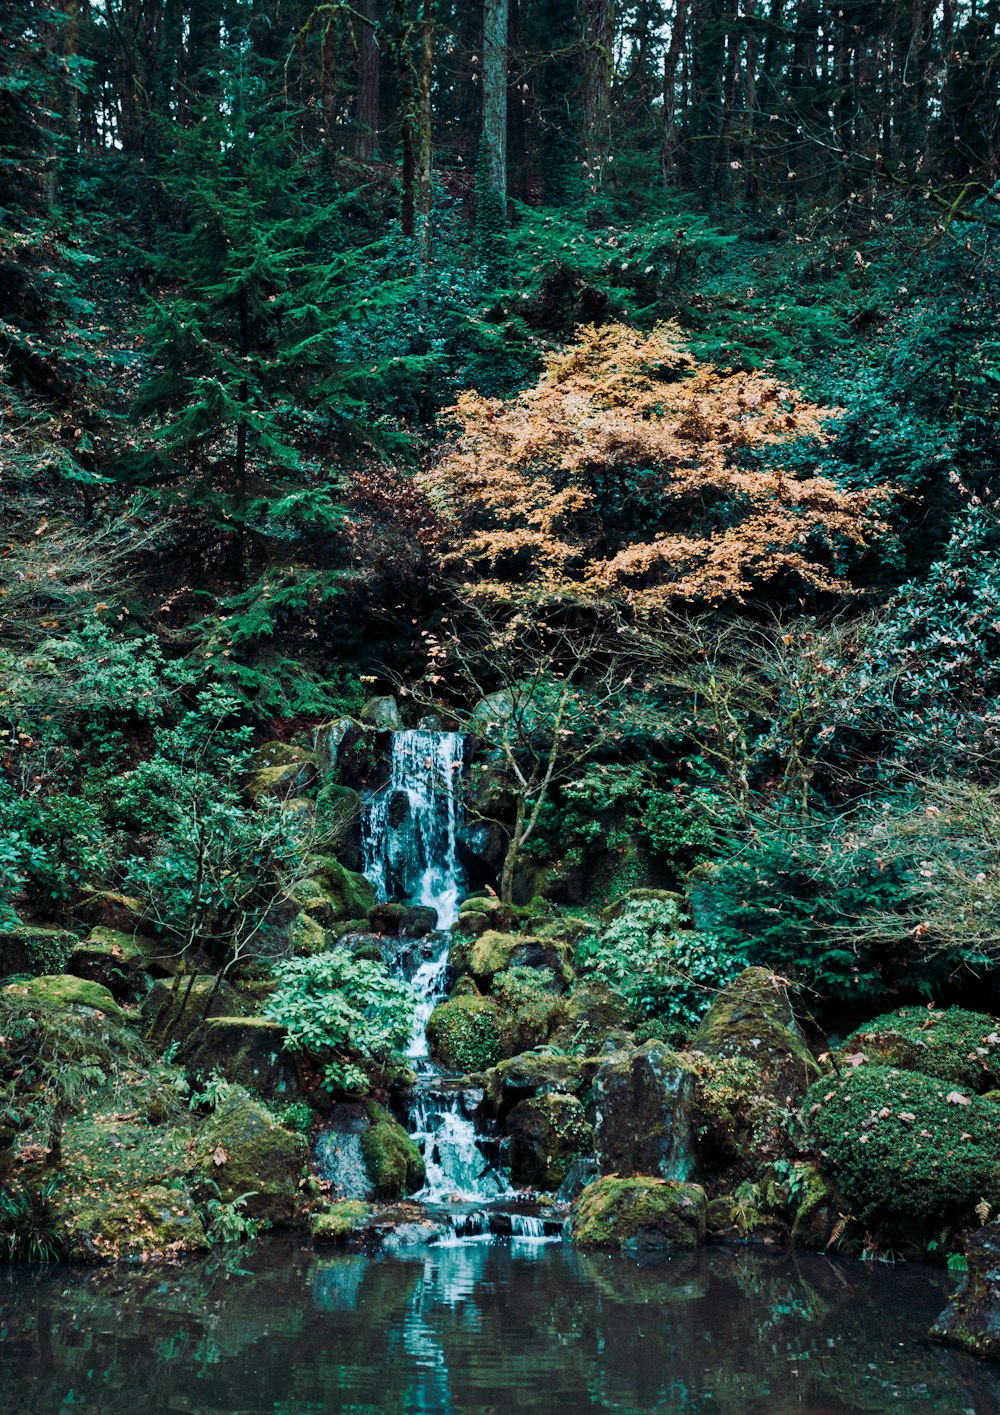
484, 1327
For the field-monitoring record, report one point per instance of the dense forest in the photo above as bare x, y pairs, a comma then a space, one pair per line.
617, 384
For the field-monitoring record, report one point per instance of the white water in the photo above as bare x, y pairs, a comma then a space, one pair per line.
410, 849
410, 827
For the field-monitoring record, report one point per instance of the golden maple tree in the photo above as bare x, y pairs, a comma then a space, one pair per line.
630, 470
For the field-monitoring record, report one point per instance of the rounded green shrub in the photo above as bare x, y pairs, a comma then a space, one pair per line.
953, 1044
908, 1151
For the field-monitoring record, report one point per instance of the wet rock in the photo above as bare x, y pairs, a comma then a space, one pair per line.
588, 1017
618, 906
643, 1111
752, 1019
338, 1222
244, 1150
403, 920
958, 1046
382, 713
972, 1318
547, 1133
340, 748
393, 1162
338, 817
349, 895
640, 1213
247, 1050
536, 1074
35, 948
280, 770
121, 962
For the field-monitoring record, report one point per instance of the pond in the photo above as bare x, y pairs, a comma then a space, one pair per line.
488, 1326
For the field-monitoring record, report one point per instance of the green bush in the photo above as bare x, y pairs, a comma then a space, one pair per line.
465, 1033
908, 1151
661, 968
951, 1044
347, 1013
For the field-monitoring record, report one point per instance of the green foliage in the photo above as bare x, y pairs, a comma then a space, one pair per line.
661, 967
27, 1226
951, 1043
466, 1033
908, 1151
347, 1013
226, 1220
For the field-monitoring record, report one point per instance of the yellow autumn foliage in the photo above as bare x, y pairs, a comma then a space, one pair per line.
630, 470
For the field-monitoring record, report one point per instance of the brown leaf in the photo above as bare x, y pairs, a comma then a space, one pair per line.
219, 1157
956, 1098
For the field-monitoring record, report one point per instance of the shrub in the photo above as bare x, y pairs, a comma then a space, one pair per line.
465, 1032
347, 1013
952, 1044
661, 967
907, 1151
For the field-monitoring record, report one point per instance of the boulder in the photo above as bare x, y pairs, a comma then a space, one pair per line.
972, 1318
121, 962
752, 1019
35, 948
537, 1074
394, 1164
640, 1213
382, 713
171, 1012
464, 1033
243, 1149
958, 1046
62, 992
338, 1222
278, 769
154, 1224
122, 912
338, 819
643, 1111
495, 952
348, 895
547, 1133
909, 1152
403, 920
247, 1050
340, 748
590, 1018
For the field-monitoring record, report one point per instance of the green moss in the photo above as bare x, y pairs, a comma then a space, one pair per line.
249, 1051
30, 948
465, 1033
277, 769
587, 1017
336, 1223
496, 952
907, 1150
307, 935
350, 895
394, 1164
953, 1044
171, 1010
817, 1209
244, 1150
535, 1074
63, 991
640, 1213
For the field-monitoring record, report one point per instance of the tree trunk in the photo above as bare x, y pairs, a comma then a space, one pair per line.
494, 141
598, 73
424, 129
367, 105
671, 61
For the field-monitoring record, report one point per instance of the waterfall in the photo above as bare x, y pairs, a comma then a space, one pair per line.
410, 827
409, 841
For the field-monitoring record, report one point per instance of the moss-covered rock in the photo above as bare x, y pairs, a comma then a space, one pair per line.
547, 1133
643, 1109
171, 1010
971, 1320
382, 713
403, 920
349, 895
62, 992
818, 1207
589, 1017
247, 1050
338, 814
244, 1150
640, 1213
908, 1151
536, 1074
125, 913
752, 1018
123, 963
338, 1222
277, 769
35, 948
147, 1225
464, 1033
337, 745
393, 1162
958, 1046
496, 952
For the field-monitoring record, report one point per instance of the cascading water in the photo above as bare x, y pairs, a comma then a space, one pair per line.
410, 850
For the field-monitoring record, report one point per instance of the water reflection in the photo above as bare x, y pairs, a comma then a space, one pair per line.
484, 1327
